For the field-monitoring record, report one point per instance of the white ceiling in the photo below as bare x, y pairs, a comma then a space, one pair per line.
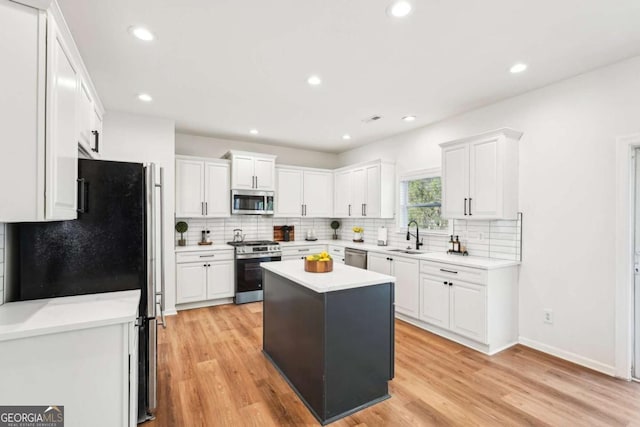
223, 67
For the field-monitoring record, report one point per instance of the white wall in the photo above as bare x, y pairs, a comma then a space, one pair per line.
137, 138
192, 145
567, 183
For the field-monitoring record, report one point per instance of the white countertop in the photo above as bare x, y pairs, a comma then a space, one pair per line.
467, 261
342, 277
53, 315
203, 248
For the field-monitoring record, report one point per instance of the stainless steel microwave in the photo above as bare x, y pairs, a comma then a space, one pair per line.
249, 202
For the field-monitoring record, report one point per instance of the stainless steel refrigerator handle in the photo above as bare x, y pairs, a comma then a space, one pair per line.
162, 281
151, 241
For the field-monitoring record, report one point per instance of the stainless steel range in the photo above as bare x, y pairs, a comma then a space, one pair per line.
249, 255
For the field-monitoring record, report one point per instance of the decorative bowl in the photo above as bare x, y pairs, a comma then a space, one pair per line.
318, 266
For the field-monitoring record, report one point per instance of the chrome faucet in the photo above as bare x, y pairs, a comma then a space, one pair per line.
417, 235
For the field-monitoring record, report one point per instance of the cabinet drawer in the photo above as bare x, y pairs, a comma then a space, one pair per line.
204, 256
450, 271
336, 250
303, 250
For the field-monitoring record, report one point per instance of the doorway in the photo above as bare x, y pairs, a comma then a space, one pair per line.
635, 369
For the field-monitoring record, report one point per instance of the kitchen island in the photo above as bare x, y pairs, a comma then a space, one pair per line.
330, 335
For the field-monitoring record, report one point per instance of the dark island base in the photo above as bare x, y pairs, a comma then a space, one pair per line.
313, 412
335, 349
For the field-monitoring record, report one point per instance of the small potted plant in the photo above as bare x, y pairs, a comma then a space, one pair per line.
357, 234
335, 225
182, 227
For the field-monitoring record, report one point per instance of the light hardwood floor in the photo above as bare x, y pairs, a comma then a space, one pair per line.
212, 373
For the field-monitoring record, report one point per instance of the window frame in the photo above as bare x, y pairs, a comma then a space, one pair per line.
411, 176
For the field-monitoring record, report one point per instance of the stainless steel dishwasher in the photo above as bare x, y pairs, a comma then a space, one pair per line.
355, 258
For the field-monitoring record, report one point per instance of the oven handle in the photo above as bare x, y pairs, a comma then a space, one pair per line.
255, 257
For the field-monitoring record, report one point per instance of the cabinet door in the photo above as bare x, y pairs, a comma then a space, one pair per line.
342, 194
217, 197
455, 181
85, 116
265, 174
358, 192
61, 134
189, 188
318, 194
289, 194
22, 95
434, 300
220, 280
372, 191
191, 282
485, 180
469, 310
242, 171
407, 287
379, 263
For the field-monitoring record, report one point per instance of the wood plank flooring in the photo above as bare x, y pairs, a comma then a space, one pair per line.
212, 373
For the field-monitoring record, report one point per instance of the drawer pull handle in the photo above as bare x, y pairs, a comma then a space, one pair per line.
303, 250
449, 271
207, 256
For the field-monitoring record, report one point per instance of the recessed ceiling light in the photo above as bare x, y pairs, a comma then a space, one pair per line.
142, 33
253, 131
314, 80
346, 136
399, 9
145, 97
518, 68
409, 118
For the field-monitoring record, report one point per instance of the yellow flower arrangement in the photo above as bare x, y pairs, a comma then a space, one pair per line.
357, 229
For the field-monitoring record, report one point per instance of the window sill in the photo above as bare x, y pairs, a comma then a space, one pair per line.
425, 232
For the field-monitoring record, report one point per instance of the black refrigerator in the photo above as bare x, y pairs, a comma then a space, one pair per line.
114, 245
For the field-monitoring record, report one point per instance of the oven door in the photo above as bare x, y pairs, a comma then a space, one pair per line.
249, 273
252, 202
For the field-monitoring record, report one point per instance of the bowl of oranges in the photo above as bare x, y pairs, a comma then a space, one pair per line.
318, 263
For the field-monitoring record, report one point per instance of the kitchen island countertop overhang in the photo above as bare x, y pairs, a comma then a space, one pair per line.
342, 277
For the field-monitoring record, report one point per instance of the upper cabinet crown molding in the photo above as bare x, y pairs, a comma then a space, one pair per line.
480, 176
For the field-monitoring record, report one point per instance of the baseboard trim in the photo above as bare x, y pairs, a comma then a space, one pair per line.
201, 304
569, 356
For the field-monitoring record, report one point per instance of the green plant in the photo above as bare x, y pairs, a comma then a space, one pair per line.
335, 224
182, 227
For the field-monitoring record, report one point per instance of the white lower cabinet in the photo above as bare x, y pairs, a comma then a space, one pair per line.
203, 276
337, 253
406, 272
473, 306
458, 306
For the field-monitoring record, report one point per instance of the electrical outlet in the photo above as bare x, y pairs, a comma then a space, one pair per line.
480, 236
548, 315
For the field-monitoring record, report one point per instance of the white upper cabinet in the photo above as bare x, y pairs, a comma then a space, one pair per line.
252, 171
366, 190
303, 192
62, 144
216, 187
342, 194
202, 188
49, 109
480, 176
318, 193
289, 198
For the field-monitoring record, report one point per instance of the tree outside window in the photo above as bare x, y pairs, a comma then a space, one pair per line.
421, 201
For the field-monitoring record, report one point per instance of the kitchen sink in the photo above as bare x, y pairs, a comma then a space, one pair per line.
407, 251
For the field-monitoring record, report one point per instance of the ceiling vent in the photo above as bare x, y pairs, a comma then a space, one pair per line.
372, 119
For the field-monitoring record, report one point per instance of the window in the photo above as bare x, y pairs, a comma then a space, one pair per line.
421, 200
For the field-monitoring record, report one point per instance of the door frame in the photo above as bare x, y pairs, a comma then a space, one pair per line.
625, 223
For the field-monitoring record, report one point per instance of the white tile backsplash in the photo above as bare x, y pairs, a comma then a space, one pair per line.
488, 239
